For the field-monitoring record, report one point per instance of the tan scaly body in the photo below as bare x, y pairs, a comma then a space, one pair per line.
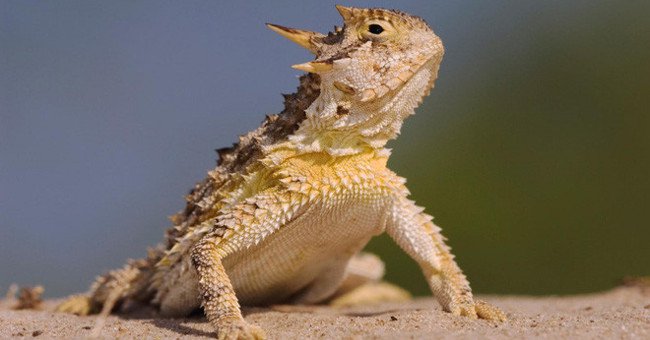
283, 217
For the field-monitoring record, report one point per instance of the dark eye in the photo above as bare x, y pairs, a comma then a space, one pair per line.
375, 29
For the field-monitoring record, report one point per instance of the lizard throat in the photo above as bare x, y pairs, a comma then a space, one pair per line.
363, 126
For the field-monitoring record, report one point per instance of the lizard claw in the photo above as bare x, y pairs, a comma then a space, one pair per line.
238, 329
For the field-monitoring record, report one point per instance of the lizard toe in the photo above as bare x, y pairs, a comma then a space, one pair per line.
239, 329
468, 311
489, 312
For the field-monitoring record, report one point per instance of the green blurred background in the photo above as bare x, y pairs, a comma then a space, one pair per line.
541, 178
532, 152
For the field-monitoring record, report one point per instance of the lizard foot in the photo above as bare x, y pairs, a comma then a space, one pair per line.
238, 329
479, 309
76, 304
489, 312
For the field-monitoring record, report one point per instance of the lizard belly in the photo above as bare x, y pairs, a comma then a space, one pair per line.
322, 239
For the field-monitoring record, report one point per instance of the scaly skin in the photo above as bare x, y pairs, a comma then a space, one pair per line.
284, 215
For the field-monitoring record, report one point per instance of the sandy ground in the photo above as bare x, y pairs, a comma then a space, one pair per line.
623, 313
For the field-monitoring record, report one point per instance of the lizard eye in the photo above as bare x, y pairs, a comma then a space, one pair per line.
375, 29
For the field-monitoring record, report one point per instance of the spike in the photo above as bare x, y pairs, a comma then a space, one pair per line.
313, 67
342, 63
313, 194
295, 187
346, 12
367, 95
247, 220
300, 37
382, 90
405, 76
248, 208
344, 87
394, 83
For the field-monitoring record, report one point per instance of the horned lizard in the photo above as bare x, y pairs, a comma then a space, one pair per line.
286, 212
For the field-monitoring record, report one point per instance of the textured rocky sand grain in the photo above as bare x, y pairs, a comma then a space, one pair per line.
623, 313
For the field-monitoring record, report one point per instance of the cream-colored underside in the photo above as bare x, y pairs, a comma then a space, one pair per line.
305, 260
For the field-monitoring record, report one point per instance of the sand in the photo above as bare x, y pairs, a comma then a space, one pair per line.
622, 313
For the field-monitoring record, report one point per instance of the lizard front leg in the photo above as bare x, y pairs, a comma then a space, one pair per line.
219, 301
421, 239
238, 228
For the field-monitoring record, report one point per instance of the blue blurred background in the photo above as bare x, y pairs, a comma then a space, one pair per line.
533, 151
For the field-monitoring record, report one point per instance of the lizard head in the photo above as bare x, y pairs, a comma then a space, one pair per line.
374, 71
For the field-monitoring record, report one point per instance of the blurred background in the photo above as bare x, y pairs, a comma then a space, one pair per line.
533, 151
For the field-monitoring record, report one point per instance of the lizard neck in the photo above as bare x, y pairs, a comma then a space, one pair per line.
338, 124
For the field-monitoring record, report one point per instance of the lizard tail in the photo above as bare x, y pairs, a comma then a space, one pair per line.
114, 287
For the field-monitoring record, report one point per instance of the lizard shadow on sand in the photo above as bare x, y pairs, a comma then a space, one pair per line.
366, 314
324, 309
333, 311
188, 325
178, 325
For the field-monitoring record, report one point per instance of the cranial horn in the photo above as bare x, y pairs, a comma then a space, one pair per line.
314, 66
303, 38
346, 12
